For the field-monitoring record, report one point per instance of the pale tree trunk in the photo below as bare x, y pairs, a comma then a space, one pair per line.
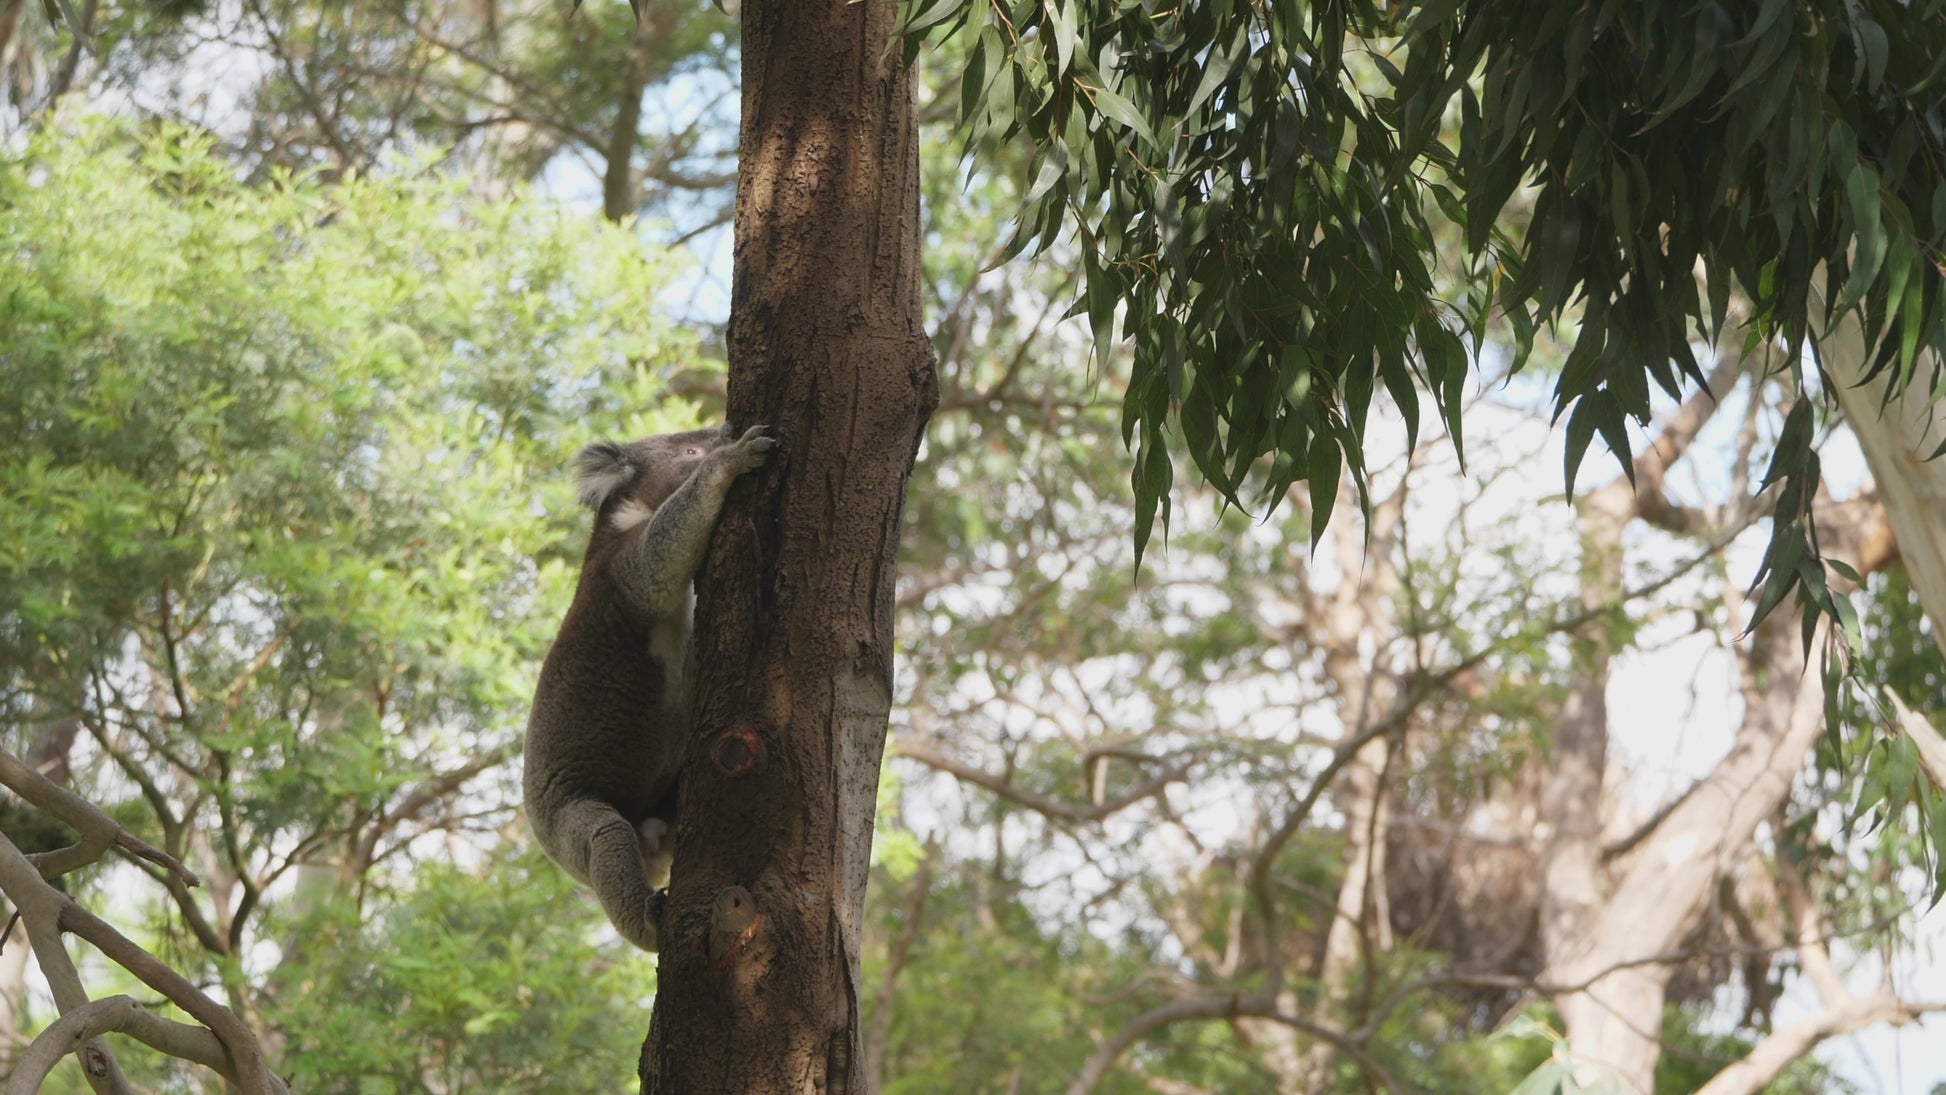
1366, 693
1896, 438
1613, 983
1613, 1025
1600, 946
759, 987
1612, 944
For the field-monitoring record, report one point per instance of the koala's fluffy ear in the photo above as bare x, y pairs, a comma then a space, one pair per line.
602, 469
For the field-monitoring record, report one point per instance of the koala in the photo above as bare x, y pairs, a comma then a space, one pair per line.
610, 725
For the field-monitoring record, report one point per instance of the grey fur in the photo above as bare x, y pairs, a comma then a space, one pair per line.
610, 723
601, 469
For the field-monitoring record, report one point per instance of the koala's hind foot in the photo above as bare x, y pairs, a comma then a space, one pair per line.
616, 870
658, 845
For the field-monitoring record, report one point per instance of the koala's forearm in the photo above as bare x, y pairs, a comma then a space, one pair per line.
660, 560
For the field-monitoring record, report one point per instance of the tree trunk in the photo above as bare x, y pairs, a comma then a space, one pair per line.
1614, 1023
1896, 438
759, 989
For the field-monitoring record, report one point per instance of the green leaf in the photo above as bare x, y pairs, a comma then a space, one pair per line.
1322, 468
1121, 110
923, 16
1792, 443
1222, 62
1549, 1079
1062, 27
1581, 430
1870, 41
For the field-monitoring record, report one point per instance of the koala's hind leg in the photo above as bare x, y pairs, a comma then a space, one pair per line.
611, 860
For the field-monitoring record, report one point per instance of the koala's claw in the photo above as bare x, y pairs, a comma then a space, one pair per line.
755, 445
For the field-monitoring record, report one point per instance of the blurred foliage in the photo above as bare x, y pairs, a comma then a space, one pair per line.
469, 981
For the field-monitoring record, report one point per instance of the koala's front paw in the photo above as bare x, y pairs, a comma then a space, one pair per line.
749, 452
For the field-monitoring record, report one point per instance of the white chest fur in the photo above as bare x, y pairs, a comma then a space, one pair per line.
669, 644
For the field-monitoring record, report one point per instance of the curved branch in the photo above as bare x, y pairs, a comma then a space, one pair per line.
49, 913
99, 832
1233, 1006
69, 1034
1776, 1053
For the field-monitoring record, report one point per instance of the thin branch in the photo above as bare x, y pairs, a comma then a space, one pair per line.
327, 121
1257, 1005
925, 753
421, 797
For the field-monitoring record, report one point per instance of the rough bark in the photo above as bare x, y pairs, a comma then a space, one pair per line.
759, 988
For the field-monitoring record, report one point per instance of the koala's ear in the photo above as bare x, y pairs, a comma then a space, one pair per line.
602, 469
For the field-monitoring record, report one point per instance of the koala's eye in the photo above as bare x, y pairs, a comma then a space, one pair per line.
693, 450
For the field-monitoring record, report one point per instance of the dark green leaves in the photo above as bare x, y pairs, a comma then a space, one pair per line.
1270, 182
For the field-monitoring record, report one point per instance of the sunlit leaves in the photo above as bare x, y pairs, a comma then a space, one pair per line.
282, 511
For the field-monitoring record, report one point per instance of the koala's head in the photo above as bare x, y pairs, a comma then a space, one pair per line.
625, 483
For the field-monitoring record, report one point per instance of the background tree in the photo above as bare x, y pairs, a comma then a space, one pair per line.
282, 551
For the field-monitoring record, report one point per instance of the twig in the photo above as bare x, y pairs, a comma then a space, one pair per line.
925, 753
1231, 1006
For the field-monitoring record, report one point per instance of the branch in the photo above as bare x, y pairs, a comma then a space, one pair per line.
925, 753
618, 198
326, 119
1232, 1006
1777, 1052
69, 1034
1652, 465
421, 797
98, 831
81, 1025
49, 913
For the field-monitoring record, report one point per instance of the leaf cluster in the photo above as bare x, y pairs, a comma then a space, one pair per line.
1259, 192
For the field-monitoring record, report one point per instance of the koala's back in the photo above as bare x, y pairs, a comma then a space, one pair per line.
609, 693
